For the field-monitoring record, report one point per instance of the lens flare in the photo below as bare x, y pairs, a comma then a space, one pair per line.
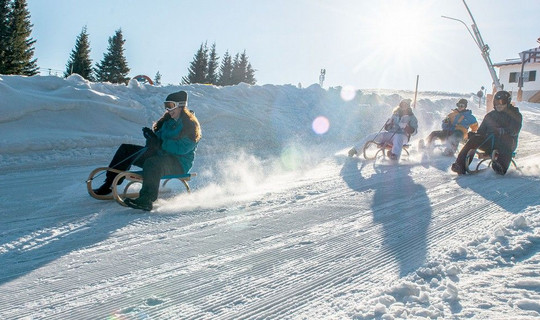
348, 93
320, 125
290, 158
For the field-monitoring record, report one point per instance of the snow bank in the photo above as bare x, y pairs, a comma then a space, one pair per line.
48, 120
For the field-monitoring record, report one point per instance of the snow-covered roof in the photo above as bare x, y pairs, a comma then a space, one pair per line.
531, 56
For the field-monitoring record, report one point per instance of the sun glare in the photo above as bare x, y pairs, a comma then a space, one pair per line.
398, 33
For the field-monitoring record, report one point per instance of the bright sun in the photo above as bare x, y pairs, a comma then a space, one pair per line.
400, 31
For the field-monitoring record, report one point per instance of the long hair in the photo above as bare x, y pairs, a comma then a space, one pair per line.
158, 124
191, 127
190, 124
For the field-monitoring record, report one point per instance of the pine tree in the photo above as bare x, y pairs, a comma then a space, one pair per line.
237, 74
250, 75
157, 79
198, 68
79, 60
240, 68
4, 12
225, 71
113, 68
18, 57
212, 76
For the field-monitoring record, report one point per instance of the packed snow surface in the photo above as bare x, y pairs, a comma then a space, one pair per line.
280, 224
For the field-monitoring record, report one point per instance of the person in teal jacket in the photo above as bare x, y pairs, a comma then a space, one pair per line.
170, 149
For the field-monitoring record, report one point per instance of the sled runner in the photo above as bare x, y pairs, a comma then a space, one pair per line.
373, 150
132, 177
438, 146
482, 157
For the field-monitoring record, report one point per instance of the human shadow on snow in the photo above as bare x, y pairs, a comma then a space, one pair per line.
399, 205
514, 192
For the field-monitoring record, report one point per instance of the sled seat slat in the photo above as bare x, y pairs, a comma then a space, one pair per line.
183, 176
132, 177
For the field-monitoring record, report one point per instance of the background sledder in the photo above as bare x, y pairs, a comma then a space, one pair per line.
170, 150
398, 130
455, 129
497, 137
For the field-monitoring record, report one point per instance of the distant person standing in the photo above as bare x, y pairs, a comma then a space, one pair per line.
497, 135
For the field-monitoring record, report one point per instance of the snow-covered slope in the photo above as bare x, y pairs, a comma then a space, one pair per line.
281, 224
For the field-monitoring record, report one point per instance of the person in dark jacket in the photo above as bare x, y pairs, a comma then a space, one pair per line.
170, 149
455, 128
498, 132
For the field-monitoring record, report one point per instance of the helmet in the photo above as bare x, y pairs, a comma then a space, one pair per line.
504, 96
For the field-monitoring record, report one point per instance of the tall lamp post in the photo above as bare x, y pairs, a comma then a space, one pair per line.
484, 49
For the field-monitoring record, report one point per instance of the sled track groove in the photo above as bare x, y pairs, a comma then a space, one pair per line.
282, 299
288, 300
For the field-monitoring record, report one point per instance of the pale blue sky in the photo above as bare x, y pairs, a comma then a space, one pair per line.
365, 44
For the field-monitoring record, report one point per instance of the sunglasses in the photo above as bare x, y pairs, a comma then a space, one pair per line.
462, 105
172, 105
499, 102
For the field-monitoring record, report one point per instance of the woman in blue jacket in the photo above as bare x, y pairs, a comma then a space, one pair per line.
170, 149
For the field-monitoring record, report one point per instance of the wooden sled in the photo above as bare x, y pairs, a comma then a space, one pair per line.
373, 150
132, 177
482, 157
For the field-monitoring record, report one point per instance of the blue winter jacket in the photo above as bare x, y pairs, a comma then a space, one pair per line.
460, 120
183, 148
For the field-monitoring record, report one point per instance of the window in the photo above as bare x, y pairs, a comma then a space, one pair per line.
527, 76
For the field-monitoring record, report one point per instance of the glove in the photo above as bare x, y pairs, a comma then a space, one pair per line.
500, 131
153, 142
409, 130
147, 133
402, 125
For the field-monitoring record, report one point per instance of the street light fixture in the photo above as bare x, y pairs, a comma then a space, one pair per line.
484, 48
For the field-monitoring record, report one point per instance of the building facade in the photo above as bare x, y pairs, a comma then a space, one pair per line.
510, 73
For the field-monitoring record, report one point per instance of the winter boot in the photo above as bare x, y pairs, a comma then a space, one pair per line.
353, 152
391, 155
457, 168
138, 203
497, 167
104, 190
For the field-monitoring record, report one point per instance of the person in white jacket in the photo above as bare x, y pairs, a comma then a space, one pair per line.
398, 130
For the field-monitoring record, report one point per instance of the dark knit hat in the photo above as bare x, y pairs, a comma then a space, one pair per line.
180, 96
462, 101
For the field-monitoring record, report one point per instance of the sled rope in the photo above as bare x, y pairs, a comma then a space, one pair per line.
137, 155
